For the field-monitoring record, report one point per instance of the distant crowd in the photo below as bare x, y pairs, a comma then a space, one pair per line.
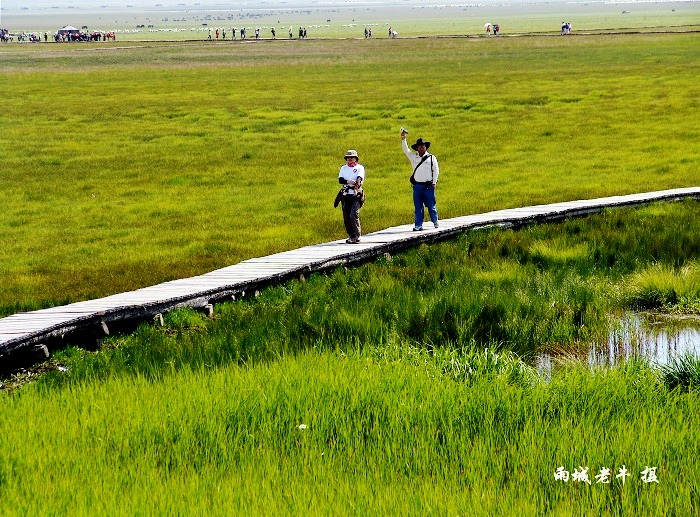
62, 36
218, 34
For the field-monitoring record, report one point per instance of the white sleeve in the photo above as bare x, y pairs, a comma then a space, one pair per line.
404, 146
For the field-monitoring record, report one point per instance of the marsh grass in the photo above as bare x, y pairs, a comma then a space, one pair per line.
146, 164
500, 290
388, 431
682, 372
389, 388
666, 289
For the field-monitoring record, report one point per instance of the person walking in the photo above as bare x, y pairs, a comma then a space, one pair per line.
424, 180
352, 195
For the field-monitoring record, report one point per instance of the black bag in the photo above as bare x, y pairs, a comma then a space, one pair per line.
338, 198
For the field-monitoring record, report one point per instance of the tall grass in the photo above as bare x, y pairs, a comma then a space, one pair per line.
682, 372
131, 166
667, 289
382, 432
389, 388
544, 288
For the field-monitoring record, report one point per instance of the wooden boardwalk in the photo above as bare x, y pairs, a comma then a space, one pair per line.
29, 330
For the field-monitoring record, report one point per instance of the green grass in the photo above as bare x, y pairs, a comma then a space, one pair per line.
392, 388
490, 289
386, 432
120, 175
413, 375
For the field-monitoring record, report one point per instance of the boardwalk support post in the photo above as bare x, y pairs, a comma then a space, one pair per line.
41, 352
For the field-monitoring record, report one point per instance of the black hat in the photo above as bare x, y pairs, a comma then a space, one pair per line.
420, 142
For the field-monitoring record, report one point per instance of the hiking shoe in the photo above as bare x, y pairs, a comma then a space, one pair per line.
436, 225
352, 241
417, 228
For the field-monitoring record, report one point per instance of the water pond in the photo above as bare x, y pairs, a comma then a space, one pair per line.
651, 337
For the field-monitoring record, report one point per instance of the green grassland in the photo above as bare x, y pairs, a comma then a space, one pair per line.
391, 388
128, 166
400, 387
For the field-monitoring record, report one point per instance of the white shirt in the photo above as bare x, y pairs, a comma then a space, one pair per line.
428, 170
352, 173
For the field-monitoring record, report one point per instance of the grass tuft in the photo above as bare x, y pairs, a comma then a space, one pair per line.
682, 372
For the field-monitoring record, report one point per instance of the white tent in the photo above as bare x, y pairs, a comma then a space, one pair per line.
68, 30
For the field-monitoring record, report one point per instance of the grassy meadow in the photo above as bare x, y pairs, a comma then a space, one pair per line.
391, 388
125, 167
402, 387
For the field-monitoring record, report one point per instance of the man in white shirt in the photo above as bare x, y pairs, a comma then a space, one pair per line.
351, 176
424, 179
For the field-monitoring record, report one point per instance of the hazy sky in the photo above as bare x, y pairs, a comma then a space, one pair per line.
199, 4
141, 4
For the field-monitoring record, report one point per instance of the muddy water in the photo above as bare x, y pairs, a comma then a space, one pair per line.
656, 339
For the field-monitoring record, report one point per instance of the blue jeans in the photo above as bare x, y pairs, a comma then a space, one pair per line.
423, 195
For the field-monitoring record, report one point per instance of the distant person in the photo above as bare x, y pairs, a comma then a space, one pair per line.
242, 33
391, 33
291, 33
370, 32
424, 180
304, 32
257, 32
209, 34
233, 33
351, 195
366, 33
217, 34
273, 32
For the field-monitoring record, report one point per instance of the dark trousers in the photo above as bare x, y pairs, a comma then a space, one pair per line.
351, 215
